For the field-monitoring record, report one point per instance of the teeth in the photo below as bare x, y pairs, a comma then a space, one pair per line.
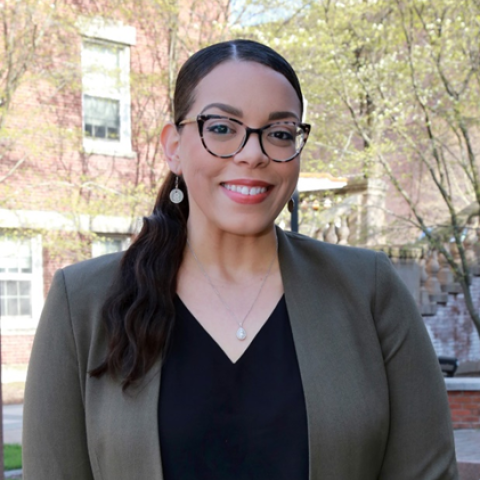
244, 190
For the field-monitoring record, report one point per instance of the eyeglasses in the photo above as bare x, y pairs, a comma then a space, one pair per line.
224, 137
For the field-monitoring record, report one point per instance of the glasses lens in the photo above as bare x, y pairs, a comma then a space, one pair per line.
222, 136
283, 140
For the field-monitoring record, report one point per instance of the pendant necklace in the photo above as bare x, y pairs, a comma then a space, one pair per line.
241, 333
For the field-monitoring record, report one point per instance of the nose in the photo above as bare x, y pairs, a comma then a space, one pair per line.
252, 153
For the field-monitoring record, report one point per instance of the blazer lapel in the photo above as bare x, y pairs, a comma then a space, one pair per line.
307, 298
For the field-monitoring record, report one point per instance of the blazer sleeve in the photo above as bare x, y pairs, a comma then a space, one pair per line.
54, 433
420, 442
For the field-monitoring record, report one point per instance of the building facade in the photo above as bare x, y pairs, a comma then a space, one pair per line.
80, 157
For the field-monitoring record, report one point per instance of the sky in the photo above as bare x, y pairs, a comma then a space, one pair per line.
255, 12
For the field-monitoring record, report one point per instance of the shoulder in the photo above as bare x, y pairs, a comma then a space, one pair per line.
85, 286
326, 254
334, 268
93, 276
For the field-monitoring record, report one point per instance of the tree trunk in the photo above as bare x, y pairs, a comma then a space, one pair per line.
469, 303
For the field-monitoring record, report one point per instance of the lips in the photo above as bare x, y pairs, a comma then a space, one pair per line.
244, 189
247, 191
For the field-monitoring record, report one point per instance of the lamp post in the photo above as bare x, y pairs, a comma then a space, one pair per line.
294, 212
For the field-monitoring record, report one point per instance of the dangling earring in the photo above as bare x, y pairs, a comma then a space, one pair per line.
176, 195
291, 205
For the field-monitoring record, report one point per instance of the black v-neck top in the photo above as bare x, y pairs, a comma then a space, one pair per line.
220, 420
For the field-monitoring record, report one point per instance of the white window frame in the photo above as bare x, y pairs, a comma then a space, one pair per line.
13, 323
116, 35
124, 243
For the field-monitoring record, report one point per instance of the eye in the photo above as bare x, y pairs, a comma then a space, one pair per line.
220, 127
283, 134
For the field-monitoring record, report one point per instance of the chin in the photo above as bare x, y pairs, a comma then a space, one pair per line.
248, 228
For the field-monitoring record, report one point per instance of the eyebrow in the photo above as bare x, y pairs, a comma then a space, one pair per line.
282, 115
226, 108
238, 113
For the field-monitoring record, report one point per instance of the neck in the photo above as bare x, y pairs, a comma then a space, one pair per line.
230, 257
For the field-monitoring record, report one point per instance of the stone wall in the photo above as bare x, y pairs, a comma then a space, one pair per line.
452, 331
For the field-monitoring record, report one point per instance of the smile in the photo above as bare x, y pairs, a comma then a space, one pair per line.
244, 190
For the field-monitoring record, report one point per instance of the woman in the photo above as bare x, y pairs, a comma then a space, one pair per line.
219, 347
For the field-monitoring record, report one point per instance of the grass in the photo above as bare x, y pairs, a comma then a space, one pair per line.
12, 456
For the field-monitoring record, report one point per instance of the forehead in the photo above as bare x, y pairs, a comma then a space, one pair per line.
252, 88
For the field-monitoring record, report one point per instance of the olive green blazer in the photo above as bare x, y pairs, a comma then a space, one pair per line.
375, 398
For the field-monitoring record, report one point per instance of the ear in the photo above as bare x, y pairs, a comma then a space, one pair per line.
170, 138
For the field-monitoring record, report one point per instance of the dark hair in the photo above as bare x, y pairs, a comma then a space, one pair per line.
139, 312
204, 61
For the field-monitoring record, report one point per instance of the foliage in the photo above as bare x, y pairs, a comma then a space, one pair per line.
393, 91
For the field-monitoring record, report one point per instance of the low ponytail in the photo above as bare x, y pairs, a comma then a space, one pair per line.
139, 312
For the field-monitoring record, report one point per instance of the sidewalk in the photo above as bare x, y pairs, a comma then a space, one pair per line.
12, 423
467, 446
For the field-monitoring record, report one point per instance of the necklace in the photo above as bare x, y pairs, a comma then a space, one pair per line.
241, 333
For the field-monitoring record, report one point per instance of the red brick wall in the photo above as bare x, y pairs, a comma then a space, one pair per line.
16, 349
464, 400
465, 409
44, 123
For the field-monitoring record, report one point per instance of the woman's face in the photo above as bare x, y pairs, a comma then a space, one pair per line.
243, 194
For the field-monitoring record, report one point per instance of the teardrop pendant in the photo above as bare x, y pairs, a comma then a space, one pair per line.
241, 334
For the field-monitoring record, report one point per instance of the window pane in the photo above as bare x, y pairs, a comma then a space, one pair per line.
107, 245
10, 264
25, 307
12, 307
101, 67
101, 117
113, 133
12, 289
15, 298
25, 265
24, 288
112, 246
15, 256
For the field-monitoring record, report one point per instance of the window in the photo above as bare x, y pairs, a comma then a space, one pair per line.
15, 293
109, 244
101, 118
21, 281
106, 97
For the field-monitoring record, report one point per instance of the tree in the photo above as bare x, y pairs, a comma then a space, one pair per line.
42, 152
23, 28
393, 91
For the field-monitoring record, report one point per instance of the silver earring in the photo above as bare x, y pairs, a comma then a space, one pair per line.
176, 195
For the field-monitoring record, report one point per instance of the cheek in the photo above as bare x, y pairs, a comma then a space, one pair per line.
190, 149
201, 174
293, 174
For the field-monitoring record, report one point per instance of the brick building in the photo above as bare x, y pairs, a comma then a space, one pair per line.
85, 92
